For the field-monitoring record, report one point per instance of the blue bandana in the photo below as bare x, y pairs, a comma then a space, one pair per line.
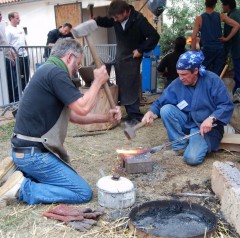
191, 60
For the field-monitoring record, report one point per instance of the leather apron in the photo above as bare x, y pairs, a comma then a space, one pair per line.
128, 80
53, 140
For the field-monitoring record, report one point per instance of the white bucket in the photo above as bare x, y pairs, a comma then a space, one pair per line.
116, 194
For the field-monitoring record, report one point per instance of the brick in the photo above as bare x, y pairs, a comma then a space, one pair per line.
230, 207
224, 175
137, 164
230, 142
226, 185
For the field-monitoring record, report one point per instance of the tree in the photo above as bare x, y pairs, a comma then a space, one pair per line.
181, 13
181, 16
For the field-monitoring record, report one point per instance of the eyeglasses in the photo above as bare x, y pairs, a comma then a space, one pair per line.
79, 65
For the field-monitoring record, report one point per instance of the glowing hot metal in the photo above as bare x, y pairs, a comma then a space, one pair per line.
157, 148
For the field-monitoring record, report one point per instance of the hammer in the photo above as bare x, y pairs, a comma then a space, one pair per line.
84, 30
90, 8
130, 131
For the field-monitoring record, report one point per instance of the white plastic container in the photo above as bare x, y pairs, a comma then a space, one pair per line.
116, 193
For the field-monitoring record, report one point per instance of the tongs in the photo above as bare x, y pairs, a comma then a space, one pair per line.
163, 146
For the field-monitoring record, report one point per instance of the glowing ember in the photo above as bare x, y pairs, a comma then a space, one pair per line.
130, 152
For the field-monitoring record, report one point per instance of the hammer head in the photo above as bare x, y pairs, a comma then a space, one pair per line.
90, 6
129, 131
84, 29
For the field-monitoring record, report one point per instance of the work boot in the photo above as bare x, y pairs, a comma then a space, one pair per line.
7, 168
10, 189
172, 153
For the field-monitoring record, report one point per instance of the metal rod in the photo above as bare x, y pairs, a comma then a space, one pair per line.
190, 195
158, 148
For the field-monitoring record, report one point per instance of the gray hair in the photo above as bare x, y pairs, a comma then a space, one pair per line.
63, 46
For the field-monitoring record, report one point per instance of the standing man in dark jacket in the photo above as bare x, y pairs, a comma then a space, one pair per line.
134, 35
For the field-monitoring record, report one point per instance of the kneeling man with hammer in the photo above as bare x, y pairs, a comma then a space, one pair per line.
196, 100
48, 102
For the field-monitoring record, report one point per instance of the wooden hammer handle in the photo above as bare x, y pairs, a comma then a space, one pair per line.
98, 64
139, 125
224, 71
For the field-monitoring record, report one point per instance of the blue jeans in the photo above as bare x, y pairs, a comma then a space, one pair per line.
175, 120
49, 180
214, 60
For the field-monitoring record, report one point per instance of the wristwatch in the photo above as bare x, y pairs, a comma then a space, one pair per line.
213, 118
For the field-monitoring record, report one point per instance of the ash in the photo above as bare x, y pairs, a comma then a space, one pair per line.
173, 222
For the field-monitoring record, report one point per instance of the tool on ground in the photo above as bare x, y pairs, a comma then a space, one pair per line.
224, 71
84, 30
90, 134
163, 146
79, 218
202, 195
130, 132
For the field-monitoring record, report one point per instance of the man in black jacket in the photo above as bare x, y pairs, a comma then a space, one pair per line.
134, 35
63, 31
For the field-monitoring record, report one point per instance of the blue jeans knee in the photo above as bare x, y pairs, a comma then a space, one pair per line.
196, 150
193, 159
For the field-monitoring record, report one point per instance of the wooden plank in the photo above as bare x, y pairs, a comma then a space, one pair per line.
71, 13
230, 142
231, 139
230, 147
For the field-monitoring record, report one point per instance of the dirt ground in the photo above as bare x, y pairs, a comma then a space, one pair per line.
89, 153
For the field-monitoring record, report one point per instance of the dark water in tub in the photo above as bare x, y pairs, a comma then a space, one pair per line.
173, 221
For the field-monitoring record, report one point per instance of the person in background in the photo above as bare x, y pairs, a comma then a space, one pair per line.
167, 66
134, 35
63, 31
45, 174
16, 37
232, 46
209, 25
195, 101
10, 64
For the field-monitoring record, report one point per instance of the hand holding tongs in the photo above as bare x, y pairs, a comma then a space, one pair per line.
160, 147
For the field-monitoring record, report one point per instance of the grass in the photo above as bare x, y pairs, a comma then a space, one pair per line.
6, 131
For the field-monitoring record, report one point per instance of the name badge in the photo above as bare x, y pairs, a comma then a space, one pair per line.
182, 104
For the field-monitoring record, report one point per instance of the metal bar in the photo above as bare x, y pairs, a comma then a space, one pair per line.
190, 195
158, 148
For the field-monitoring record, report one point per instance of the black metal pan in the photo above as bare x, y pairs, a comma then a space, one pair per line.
172, 218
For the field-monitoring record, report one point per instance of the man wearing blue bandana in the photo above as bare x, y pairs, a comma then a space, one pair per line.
194, 101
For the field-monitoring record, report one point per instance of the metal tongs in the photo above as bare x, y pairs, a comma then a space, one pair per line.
163, 146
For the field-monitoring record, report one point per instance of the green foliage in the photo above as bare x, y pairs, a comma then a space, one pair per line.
181, 13
180, 16
6, 131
